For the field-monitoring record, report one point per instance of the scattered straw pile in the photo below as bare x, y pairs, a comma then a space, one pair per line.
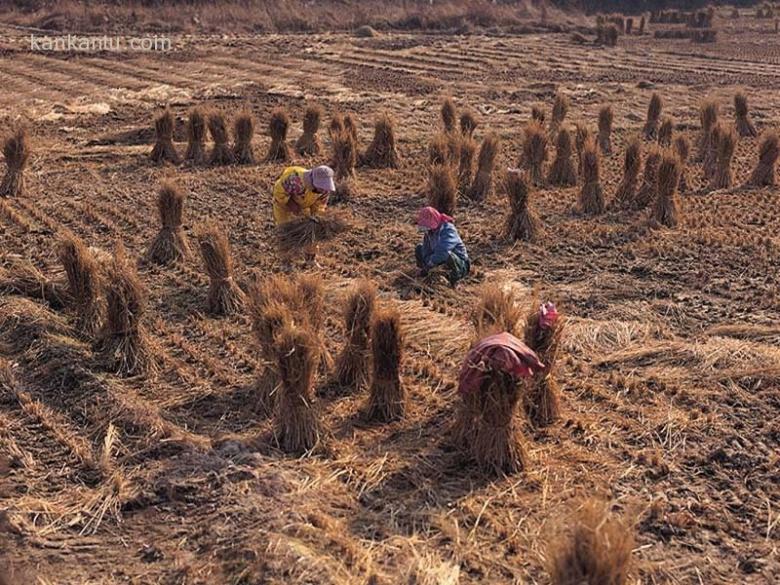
302, 233
592, 194
632, 163
606, 117
559, 110
221, 154
466, 152
16, 150
563, 172
297, 425
708, 116
666, 131
196, 137
449, 115
84, 284
352, 365
593, 547
171, 243
483, 180
243, 132
278, 150
163, 149
650, 129
225, 297
522, 223
666, 207
647, 192
442, 194
124, 343
743, 123
535, 152
308, 143
382, 153
723, 176
763, 174
682, 147
543, 329
23, 278
387, 398
468, 123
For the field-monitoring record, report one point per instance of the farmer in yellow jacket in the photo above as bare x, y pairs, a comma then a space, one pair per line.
300, 191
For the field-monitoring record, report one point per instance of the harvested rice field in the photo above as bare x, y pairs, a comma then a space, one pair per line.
145, 439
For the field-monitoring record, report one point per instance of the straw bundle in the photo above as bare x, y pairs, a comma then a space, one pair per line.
16, 150
278, 126
84, 284
647, 192
535, 152
708, 116
221, 154
163, 149
626, 189
543, 329
243, 131
467, 150
744, 125
449, 115
468, 123
653, 116
381, 153
171, 243
442, 194
666, 208
724, 176
196, 137
308, 143
559, 110
763, 174
225, 297
483, 181
606, 117
523, 222
563, 172
592, 194
387, 398
683, 149
304, 232
352, 365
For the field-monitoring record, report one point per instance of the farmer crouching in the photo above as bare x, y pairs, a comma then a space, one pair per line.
441, 246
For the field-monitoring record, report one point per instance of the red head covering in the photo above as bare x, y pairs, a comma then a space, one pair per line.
431, 218
502, 352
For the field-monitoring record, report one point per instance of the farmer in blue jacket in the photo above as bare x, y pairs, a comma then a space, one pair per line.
441, 245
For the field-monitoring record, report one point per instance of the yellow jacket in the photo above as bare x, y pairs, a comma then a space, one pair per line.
290, 185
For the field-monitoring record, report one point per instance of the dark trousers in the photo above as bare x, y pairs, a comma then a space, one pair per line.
457, 267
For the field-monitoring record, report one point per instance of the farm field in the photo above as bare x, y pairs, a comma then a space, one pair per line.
670, 356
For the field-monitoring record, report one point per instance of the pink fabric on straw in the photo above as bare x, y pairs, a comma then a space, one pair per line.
503, 352
432, 218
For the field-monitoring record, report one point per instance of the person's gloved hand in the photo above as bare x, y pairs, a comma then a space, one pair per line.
292, 206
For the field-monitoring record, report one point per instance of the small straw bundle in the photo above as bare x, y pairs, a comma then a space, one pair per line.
278, 126
708, 116
538, 115
220, 151
382, 153
308, 143
723, 176
124, 343
302, 233
312, 304
352, 365
297, 425
665, 132
225, 297
666, 208
84, 284
522, 223
543, 329
483, 180
647, 192
743, 123
592, 194
467, 150
442, 194
632, 163
351, 126
559, 110
344, 161
449, 115
163, 147
535, 152
387, 398
682, 147
196, 137
710, 163
243, 132
591, 548
438, 150
16, 150
581, 136
336, 124
763, 174
563, 172
171, 243
468, 123
606, 117
653, 116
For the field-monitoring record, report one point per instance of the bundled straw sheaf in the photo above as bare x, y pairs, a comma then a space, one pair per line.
382, 153
196, 137
278, 126
350, 125
387, 396
225, 297
243, 132
344, 161
522, 222
632, 163
708, 116
466, 151
483, 180
535, 152
650, 129
581, 136
442, 194
744, 124
710, 163
537, 114
647, 192
666, 210
763, 174
665, 132
163, 149
16, 151
353, 364
468, 123
559, 110
682, 147
308, 143
84, 284
221, 154
592, 194
449, 115
606, 117
171, 244
563, 171
301, 233
723, 176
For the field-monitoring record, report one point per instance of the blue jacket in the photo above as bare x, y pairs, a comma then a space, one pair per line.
437, 245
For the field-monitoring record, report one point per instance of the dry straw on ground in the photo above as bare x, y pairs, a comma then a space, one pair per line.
606, 117
559, 110
743, 122
23, 278
592, 193
666, 206
563, 172
708, 117
466, 153
723, 177
225, 297
171, 243
442, 193
163, 149
387, 396
221, 154
382, 152
449, 115
84, 284
650, 129
468, 123
522, 223
299, 234
278, 127
196, 137
682, 147
647, 192
542, 402
534, 152
482, 186
243, 132
308, 143
632, 163
353, 364
763, 174
124, 344
16, 151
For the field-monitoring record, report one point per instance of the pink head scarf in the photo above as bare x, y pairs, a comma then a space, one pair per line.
431, 218
548, 315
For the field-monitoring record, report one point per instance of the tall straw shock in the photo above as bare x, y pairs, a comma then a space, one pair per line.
666, 132
449, 115
387, 395
534, 152
647, 192
163, 149
682, 148
225, 297
243, 132
559, 110
482, 186
592, 194
196, 137
543, 330
171, 244
763, 174
710, 163
650, 129
382, 153
308, 143
522, 222
278, 126
442, 194
708, 116
563, 172
85, 284
581, 136
344, 161
221, 154
632, 163
353, 363
743, 123
606, 117
16, 150
723, 176
468, 123
666, 209
466, 152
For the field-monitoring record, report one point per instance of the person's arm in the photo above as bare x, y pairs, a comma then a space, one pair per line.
447, 241
283, 198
